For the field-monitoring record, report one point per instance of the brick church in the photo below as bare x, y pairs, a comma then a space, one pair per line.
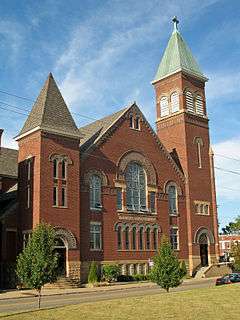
114, 187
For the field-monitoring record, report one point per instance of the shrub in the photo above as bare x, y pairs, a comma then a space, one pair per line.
93, 273
124, 278
111, 272
140, 277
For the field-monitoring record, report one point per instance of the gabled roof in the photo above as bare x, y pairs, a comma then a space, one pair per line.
8, 162
178, 57
50, 113
94, 131
98, 132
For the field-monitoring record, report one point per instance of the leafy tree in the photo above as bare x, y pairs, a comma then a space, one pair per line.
235, 253
93, 273
37, 264
166, 271
111, 272
232, 227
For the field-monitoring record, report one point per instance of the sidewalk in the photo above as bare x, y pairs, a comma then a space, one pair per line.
16, 294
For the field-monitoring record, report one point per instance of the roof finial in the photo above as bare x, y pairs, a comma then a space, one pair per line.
175, 23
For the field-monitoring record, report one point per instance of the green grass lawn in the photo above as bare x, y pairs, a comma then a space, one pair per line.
200, 304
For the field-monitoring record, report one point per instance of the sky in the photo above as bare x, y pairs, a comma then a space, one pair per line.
104, 54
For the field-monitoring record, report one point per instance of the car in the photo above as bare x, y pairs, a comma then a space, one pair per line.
228, 279
234, 277
223, 280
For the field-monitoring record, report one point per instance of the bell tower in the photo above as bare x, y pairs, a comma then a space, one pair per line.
182, 124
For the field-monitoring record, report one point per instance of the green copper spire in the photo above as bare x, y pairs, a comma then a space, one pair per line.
177, 57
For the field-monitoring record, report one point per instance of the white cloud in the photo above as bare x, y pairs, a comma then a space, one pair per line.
89, 65
224, 84
228, 184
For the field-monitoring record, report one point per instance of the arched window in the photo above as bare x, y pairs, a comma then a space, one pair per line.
136, 187
189, 101
55, 168
95, 192
175, 102
199, 105
131, 121
119, 237
141, 238
134, 237
137, 123
164, 107
172, 199
148, 238
64, 169
127, 238
199, 143
155, 238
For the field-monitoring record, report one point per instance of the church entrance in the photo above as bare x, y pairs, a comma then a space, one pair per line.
60, 249
203, 243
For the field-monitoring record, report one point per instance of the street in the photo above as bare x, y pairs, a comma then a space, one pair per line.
51, 301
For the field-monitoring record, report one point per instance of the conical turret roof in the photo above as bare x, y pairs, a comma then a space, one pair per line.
50, 113
178, 57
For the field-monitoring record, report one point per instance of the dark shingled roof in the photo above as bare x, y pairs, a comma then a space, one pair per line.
50, 112
8, 162
94, 131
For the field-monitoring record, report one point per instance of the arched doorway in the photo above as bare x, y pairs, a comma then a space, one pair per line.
61, 250
203, 244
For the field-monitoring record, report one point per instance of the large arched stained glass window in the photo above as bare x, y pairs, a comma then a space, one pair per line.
136, 187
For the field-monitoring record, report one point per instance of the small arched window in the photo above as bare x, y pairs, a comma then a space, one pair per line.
199, 143
141, 238
155, 238
148, 238
55, 168
127, 238
134, 237
189, 102
175, 102
131, 121
164, 107
64, 169
136, 187
199, 105
95, 192
119, 237
172, 199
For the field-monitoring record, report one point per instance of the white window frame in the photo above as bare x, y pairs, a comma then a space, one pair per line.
175, 102
174, 236
95, 233
94, 205
164, 106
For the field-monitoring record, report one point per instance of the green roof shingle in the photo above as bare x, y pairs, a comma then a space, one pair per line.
177, 57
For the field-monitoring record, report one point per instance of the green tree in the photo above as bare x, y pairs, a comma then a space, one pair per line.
166, 271
37, 264
235, 253
111, 272
232, 227
93, 273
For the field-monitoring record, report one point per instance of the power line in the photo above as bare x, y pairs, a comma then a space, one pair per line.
94, 119
227, 171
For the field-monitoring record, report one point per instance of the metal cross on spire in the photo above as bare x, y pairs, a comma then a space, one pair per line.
175, 23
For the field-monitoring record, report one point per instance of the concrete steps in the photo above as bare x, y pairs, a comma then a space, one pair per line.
63, 283
201, 272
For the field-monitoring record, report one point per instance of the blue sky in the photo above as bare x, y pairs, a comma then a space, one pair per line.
103, 54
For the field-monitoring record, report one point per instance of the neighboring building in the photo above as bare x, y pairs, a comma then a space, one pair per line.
225, 243
112, 199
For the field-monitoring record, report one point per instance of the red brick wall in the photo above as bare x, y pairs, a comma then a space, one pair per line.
105, 158
178, 131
